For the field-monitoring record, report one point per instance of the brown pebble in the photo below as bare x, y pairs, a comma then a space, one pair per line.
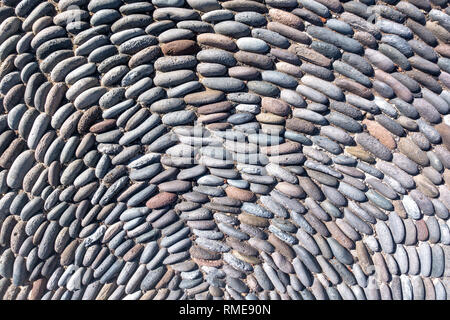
217, 292
270, 118
287, 147
14, 97
292, 190
31, 177
311, 189
114, 174
366, 39
88, 118
413, 152
144, 56
407, 123
426, 110
240, 194
253, 220
161, 200
69, 126
242, 246
398, 207
245, 5
444, 131
300, 125
443, 49
43, 145
380, 133
360, 153
180, 48
426, 186
149, 295
287, 18
289, 32
103, 126
309, 55
253, 59
54, 171
10, 154
217, 41
364, 257
252, 283
243, 72
68, 255
208, 263
201, 253
214, 117
204, 97
411, 232
165, 279
37, 289
430, 293
245, 258
276, 106
281, 247
439, 31
354, 87
175, 186
106, 291
282, 263
422, 230
7, 65
18, 236
340, 236
317, 224
333, 5
400, 90
289, 69
11, 293
133, 252
37, 237
54, 97
215, 107
381, 269
425, 79
219, 126
202, 224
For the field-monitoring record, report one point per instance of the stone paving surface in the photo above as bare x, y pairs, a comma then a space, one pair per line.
204, 149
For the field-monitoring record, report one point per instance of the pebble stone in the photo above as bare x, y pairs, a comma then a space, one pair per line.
224, 150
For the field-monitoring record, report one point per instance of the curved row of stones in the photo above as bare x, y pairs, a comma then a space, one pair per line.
205, 149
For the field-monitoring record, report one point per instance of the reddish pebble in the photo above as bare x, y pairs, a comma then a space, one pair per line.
217, 41
275, 106
422, 230
380, 133
240, 194
444, 131
161, 200
103, 126
215, 107
180, 47
287, 18
37, 289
